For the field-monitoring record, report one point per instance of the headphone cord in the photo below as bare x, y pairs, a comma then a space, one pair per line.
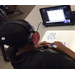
39, 25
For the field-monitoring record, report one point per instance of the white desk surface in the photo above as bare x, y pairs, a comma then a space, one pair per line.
67, 37
34, 18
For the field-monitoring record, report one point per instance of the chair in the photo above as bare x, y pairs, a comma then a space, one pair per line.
3, 19
3, 52
5, 10
14, 8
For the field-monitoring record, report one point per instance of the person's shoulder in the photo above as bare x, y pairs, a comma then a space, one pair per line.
50, 59
47, 53
9, 51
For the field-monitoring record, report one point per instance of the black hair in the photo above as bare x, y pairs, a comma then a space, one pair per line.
14, 34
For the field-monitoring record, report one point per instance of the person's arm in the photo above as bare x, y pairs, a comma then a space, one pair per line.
64, 49
41, 44
60, 47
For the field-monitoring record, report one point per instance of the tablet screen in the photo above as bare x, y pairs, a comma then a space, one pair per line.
57, 15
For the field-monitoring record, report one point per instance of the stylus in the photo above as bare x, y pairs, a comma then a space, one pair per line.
53, 46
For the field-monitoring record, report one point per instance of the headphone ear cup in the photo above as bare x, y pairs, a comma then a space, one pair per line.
30, 38
34, 38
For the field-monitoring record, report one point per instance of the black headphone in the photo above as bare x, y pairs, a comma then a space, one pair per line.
34, 36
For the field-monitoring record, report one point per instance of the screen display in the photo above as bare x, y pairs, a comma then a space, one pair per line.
56, 15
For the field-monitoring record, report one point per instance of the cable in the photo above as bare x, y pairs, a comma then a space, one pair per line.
39, 25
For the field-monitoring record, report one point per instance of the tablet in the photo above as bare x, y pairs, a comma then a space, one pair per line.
57, 15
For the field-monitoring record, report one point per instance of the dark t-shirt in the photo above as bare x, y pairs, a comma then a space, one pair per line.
39, 60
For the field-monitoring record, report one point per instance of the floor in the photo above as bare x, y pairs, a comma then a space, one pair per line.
26, 10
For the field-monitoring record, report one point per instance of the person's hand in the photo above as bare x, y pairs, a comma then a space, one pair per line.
41, 44
60, 46
64, 49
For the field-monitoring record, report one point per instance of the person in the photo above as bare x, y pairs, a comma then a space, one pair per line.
25, 55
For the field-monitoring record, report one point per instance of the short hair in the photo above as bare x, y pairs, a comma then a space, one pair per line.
15, 35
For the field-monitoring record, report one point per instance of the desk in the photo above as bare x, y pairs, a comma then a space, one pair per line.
34, 18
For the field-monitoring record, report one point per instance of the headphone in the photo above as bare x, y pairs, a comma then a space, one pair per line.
34, 36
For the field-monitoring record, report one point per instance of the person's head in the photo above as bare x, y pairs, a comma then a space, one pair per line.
17, 33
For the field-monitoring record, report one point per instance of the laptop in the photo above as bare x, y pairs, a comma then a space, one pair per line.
57, 15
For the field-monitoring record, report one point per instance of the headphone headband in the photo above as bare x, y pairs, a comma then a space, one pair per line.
28, 27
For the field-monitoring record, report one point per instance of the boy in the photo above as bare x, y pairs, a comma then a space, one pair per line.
25, 55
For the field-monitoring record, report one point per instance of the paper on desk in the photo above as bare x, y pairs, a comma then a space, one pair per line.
67, 37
